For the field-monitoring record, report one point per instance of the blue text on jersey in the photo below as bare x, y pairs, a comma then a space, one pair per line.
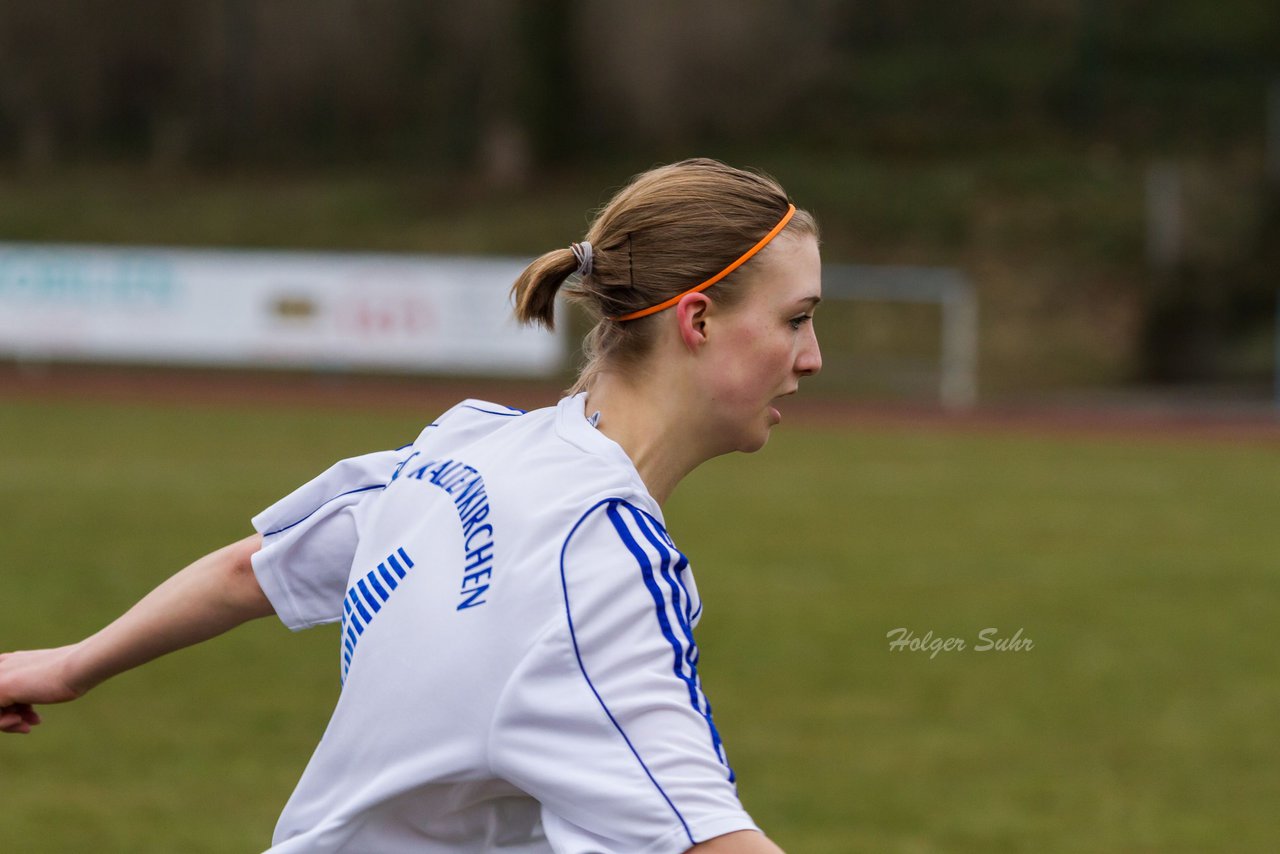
465, 486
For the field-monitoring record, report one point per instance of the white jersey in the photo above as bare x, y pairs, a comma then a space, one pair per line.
518, 664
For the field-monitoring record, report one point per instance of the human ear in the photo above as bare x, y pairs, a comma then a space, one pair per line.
691, 318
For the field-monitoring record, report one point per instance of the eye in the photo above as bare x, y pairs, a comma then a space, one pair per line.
800, 320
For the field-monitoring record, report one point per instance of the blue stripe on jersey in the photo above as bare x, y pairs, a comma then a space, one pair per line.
365, 593
681, 601
323, 503
658, 538
515, 412
352, 617
367, 590
659, 602
681, 613
387, 577
355, 600
676, 579
564, 586
377, 588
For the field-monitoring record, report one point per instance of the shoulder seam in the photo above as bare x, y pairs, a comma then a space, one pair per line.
322, 504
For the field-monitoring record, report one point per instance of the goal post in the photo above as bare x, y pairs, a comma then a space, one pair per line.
945, 287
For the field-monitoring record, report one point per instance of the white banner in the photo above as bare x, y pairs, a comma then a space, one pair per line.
279, 309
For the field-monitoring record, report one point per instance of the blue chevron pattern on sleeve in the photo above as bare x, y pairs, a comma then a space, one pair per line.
365, 599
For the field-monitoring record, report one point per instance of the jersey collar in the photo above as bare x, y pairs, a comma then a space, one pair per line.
575, 427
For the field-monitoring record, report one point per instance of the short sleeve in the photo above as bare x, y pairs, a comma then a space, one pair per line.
309, 538
605, 721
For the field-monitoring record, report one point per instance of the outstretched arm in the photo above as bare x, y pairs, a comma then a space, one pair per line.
216, 593
742, 842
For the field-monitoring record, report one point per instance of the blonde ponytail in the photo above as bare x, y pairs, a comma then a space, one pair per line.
534, 292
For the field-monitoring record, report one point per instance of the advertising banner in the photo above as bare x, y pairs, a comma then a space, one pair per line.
330, 311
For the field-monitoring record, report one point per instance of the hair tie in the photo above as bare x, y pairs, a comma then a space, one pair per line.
582, 251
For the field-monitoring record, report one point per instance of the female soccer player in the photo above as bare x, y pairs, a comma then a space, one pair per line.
518, 665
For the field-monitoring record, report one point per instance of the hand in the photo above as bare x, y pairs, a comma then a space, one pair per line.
215, 593
30, 678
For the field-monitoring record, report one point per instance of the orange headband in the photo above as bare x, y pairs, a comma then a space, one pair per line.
746, 256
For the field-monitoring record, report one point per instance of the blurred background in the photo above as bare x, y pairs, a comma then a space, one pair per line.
1067, 210
1104, 174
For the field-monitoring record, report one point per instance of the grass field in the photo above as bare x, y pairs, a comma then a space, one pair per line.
1146, 575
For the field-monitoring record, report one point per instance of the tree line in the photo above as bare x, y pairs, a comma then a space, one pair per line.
509, 85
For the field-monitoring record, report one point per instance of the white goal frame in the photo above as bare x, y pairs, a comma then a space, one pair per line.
945, 287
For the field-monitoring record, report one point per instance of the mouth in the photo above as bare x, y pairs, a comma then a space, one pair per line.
774, 413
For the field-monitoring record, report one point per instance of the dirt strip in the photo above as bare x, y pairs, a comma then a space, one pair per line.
1139, 418
1135, 422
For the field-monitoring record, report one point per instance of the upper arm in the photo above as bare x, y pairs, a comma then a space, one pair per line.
241, 552
245, 587
741, 842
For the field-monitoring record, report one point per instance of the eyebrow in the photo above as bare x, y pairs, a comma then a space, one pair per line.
813, 301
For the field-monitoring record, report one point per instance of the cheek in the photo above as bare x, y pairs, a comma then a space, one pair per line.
768, 355
755, 369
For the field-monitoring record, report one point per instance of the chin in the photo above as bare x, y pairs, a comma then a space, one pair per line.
744, 435
751, 444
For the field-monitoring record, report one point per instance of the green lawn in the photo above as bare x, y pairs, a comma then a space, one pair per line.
1145, 573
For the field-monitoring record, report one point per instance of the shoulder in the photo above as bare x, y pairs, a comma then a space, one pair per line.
619, 525
474, 410
483, 407
471, 416
547, 466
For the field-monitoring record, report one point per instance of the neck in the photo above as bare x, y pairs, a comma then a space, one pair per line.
650, 427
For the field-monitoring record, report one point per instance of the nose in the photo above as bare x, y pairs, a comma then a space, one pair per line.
809, 359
